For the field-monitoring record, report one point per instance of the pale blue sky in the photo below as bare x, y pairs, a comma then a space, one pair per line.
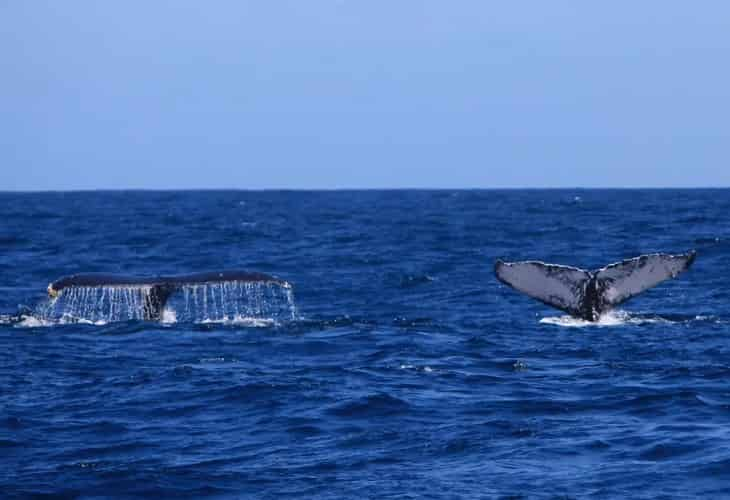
328, 94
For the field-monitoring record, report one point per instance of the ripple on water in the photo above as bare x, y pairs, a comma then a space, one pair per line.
373, 405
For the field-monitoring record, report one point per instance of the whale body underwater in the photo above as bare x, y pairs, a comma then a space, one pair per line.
588, 294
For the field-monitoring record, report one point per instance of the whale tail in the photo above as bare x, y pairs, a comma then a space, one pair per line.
146, 297
587, 294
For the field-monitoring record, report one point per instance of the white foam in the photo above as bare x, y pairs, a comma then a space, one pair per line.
610, 318
33, 322
425, 369
240, 321
169, 316
66, 319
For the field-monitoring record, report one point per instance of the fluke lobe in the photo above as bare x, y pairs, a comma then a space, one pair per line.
587, 294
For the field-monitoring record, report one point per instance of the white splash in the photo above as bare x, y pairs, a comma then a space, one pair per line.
241, 321
169, 316
33, 321
610, 318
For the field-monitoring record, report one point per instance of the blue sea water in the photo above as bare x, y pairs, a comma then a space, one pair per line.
406, 369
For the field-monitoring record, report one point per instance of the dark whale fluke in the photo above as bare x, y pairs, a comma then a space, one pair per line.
159, 288
587, 294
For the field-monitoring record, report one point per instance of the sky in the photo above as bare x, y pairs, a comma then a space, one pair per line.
329, 94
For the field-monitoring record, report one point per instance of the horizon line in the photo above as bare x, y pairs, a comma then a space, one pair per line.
350, 189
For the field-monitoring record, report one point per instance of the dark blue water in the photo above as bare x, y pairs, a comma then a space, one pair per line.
408, 372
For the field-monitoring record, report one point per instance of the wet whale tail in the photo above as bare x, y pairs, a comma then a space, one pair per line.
587, 294
145, 298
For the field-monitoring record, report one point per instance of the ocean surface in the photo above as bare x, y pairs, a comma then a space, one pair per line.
399, 367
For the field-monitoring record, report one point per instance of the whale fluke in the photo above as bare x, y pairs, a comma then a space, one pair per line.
587, 294
620, 281
562, 287
155, 291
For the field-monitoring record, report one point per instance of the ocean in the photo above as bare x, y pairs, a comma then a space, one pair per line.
397, 367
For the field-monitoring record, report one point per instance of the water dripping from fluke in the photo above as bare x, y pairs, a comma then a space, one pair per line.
230, 297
